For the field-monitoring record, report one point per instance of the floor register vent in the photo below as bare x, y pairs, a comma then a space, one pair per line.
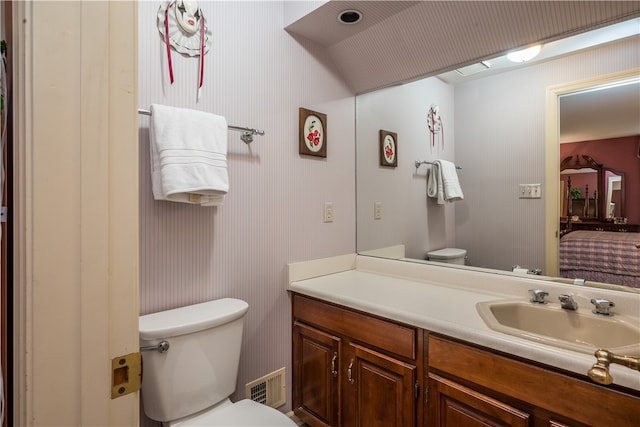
268, 390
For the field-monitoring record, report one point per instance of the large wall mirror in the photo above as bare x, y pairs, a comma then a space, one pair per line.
497, 130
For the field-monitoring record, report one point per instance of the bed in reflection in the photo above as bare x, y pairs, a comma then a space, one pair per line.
601, 256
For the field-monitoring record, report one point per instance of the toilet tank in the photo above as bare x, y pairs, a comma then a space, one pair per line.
201, 365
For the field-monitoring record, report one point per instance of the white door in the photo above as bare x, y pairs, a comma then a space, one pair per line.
76, 210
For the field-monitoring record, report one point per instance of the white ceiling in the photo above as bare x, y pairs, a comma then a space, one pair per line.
551, 50
400, 41
600, 114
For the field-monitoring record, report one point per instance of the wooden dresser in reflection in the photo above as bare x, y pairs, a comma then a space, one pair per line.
602, 226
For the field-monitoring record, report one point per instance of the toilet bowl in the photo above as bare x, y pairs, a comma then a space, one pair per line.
448, 255
188, 380
245, 412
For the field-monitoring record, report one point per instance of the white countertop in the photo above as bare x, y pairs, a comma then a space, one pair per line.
443, 300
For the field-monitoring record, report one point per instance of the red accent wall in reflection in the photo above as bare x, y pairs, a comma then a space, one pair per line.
617, 153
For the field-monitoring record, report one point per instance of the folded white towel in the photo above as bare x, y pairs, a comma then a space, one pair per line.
435, 188
188, 156
452, 189
443, 183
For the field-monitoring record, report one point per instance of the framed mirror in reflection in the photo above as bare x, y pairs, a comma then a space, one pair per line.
593, 192
504, 130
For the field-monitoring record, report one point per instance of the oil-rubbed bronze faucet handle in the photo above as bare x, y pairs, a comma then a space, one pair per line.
599, 372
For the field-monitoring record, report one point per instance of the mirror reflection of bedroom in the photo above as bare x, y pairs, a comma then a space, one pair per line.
600, 185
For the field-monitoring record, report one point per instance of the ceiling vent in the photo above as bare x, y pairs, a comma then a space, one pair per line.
473, 69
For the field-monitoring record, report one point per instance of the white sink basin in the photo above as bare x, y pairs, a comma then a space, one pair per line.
579, 330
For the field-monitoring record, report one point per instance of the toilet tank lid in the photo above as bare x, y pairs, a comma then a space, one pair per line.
447, 253
191, 318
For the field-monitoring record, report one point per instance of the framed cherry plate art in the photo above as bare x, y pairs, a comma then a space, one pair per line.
388, 148
313, 133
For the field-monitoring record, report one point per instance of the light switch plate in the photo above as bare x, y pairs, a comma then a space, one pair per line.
530, 191
328, 212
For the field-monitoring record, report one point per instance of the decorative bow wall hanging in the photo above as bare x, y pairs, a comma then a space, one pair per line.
434, 123
183, 27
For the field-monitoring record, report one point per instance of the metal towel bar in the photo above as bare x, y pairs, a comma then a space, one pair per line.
425, 162
247, 133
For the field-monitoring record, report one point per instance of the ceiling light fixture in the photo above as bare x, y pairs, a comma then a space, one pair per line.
524, 55
349, 16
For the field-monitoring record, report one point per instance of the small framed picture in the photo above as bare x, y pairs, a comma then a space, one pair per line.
388, 148
313, 133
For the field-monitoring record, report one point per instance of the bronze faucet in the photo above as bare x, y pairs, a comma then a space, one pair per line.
600, 370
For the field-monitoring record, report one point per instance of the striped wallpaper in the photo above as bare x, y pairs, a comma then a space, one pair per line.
500, 140
256, 75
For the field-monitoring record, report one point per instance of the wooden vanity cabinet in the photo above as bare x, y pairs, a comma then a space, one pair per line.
315, 379
470, 386
354, 369
379, 390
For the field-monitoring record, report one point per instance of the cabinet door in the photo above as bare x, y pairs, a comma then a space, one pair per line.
378, 390
316, 355
453, 405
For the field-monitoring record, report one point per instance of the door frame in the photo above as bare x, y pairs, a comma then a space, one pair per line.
552, 157
76, 210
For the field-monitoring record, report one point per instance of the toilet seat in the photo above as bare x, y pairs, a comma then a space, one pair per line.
243, 413
447, 253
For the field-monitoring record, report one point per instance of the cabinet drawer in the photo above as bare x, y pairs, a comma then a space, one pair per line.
383, 334
584, 401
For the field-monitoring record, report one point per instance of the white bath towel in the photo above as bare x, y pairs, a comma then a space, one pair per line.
443, 183
188, 156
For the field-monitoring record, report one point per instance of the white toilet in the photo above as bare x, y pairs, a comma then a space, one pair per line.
189, 384
448, 255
